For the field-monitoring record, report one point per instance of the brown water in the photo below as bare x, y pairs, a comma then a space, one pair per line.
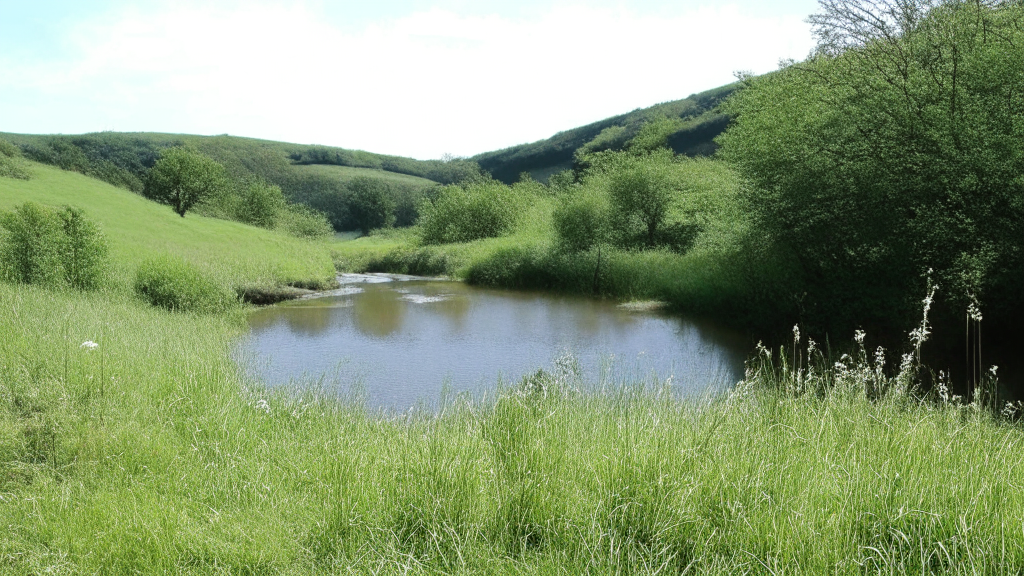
400, 341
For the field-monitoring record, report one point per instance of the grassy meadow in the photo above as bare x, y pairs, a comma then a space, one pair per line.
137, 229
151, 452
132, 442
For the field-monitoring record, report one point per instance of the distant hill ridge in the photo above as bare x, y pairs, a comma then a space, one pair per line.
701, 123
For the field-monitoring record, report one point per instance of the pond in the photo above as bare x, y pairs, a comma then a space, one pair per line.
403, 341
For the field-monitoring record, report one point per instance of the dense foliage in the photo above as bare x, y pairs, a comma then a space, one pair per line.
894, 150
10, 162
372, 203
464, 213
177, 285
183, 177
51, 247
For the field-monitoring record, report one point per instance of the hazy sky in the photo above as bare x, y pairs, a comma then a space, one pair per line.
408, 77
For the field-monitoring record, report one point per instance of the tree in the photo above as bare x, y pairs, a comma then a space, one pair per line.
641, 189
183, 177
372, 203
893, 150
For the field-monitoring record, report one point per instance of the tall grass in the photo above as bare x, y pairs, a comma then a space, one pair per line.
150, 453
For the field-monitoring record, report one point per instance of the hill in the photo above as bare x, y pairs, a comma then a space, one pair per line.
316, 176
696, 122
137, 229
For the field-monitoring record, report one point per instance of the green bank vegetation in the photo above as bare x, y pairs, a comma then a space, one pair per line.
131, 442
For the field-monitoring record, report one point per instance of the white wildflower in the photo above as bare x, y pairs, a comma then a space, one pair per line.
89, 345
858, 336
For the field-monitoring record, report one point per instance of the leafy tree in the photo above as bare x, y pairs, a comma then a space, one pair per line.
894, 149
641, 190
183, 177
581, 220
371, 203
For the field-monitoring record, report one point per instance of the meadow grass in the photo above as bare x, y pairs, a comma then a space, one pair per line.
139, 229
152, 454
346, 173
132, 442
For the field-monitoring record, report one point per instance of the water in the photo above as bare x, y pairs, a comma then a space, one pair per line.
402, 341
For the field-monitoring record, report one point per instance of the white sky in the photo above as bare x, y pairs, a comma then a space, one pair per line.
419, 80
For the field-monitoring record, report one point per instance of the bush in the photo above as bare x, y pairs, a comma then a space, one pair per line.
84, 249
178, 286
32, 245
40, 245
458, 214
11, 165
371, 203
260, 204
304, 222
581, 220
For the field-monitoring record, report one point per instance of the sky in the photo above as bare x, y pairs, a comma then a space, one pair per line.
406, 77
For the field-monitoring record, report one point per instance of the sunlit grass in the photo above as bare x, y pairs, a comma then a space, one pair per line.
138, 229
151, 454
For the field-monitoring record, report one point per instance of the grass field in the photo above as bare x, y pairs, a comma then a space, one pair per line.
138, 229
346, 173
152, 454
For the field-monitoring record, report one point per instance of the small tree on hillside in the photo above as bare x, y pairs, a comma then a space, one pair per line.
372, 204
183, 177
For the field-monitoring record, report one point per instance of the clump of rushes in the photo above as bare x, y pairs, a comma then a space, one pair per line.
179, 286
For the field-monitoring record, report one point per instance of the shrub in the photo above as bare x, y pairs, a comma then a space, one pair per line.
32, 245
462, 214
371, 203
176, 285
84, 249
581, 220
304, 222
40, 245
11, 165
260, 204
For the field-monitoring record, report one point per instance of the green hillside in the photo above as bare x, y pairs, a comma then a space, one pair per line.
696, 122
315, 176
137, 229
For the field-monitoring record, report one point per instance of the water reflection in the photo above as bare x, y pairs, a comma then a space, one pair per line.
401, 340
379, 312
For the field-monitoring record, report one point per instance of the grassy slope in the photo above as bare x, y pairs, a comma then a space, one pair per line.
138, 228
544, 157
346, 173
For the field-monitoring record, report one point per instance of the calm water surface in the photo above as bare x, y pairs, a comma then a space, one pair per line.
401, 340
